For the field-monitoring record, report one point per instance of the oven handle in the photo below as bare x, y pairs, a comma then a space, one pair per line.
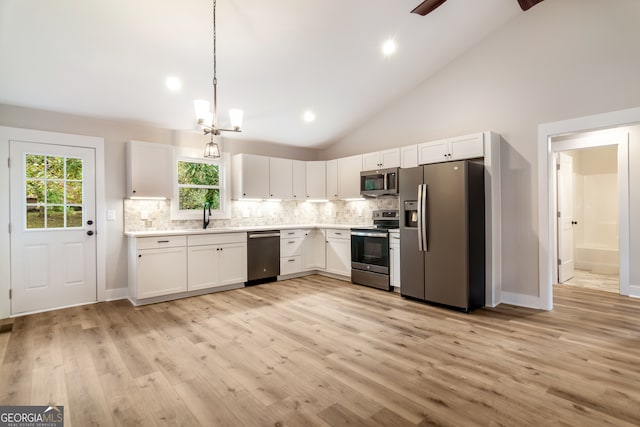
365, 234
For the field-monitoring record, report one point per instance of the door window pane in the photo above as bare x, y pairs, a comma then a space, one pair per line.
74, 216
53, 192
35, 216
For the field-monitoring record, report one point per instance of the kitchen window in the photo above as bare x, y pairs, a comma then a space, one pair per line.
198, 182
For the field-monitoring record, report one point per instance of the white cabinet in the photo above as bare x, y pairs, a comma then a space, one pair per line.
394, 258
332, 179
381, 159
157, 266
463, 147
409, 156
313, 250
149, 169
299, 174
216, 260
343, 178
280, 178
250, 177
349, 177
316, 180
338, 252
291, 242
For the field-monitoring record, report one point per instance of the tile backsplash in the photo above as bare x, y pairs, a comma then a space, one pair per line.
154, 215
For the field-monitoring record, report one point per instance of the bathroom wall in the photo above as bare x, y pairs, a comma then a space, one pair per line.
596, 209
248, 214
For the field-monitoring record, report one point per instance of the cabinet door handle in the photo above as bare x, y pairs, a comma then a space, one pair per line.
139, 255
292, 241
163, 241
338, 234
291, 260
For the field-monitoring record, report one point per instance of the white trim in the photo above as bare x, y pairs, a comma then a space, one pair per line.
97, 143
115, 294
545, 191
224, 185
521, 300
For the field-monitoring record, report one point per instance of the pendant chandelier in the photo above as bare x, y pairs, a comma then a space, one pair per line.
208, 120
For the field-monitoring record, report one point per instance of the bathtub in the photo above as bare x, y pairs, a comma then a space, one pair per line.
598, 260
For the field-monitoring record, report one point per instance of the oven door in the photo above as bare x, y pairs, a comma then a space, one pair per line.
370, 251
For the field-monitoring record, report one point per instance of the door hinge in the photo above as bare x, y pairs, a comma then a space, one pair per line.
557, 166
10, 293
559, 262
8, 162
558, 214
9, 228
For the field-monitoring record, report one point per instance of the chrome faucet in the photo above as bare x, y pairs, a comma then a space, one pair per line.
205, 218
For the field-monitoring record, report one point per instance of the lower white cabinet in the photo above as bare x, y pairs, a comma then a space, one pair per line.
313, 250
158, 267
291, 242
338, 247
394, 258
216, 260
164, 266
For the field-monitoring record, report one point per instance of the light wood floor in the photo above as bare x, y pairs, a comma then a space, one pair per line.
318, 351
588, 279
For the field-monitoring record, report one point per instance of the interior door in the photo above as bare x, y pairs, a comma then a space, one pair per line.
53, 247
565, 217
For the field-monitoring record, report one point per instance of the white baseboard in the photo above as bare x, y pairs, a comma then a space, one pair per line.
115, 294
521, 300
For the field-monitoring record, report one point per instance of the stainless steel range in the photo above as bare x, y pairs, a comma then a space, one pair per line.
370, 251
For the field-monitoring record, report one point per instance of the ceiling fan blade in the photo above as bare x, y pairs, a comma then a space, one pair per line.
428, 6
528, 4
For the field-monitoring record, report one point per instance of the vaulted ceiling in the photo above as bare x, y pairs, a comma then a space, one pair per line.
276, 58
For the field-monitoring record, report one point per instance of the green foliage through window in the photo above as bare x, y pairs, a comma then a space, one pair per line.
198, 183
53, 187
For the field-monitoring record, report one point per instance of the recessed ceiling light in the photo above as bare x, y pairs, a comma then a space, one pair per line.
309, 116
389, 47
173, 83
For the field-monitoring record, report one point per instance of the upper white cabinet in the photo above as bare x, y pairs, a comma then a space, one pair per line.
381, 159
463, 147
332, 179
316, 180
280, 178
409, 156
149, 169
250, 177
349, 177
299, 174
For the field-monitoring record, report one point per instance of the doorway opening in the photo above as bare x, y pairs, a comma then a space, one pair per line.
587, 206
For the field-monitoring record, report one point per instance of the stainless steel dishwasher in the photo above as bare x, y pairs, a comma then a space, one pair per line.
263, 256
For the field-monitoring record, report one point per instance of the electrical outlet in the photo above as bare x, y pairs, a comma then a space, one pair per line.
144, 215
246, 213
111, 215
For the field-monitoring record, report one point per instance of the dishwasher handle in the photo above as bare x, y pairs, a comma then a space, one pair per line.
262, 235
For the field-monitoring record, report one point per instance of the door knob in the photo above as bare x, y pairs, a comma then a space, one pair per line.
90, 222
89, 233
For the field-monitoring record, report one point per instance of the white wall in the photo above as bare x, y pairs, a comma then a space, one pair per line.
116, 133
559, 60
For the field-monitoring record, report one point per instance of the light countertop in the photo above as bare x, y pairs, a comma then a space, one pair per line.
156, 233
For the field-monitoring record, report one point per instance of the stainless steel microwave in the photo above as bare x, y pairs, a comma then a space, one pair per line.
381, 182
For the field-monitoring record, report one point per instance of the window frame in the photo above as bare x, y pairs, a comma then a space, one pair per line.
223, 185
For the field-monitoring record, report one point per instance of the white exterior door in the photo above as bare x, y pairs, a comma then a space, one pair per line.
565, 218
53, 243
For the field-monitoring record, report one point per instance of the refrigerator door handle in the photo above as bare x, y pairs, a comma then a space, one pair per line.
425, 207
420, 245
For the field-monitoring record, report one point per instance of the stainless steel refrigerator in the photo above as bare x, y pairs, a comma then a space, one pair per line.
442, 236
